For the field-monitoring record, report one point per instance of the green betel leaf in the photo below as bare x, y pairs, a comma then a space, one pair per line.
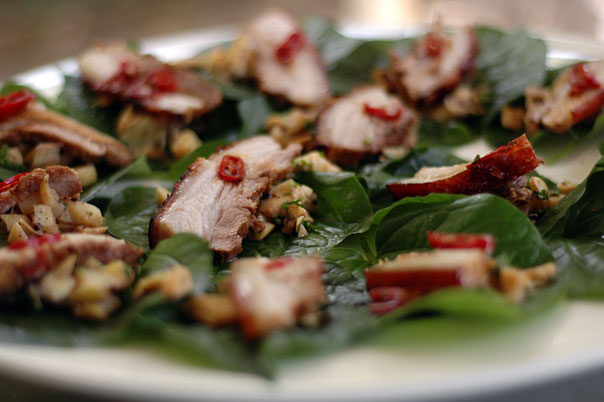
574, 229
508, 63
79, 102
403, 226
185, 249
129, 214
108, 187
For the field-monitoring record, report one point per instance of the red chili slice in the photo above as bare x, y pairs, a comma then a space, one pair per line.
484, 242
232, 168
278, 263
581, 80
382, 113
11, 183
433, 42
286, 52
34, 241
164, 80
15, 103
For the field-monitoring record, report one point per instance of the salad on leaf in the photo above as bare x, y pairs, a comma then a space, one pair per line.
294, 191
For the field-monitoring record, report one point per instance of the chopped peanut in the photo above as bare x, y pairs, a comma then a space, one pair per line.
566, 187
87, 174
173, 283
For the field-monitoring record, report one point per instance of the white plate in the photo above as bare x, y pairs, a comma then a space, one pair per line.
565, 341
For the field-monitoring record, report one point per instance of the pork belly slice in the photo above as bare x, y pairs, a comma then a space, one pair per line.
364, 123
38, 124
435, 66
575, 95
217, 210
488, 174
113, 70
26, 189
273, 294
284, 62
428, 271
25, 261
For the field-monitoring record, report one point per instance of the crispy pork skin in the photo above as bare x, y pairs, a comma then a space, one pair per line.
363, 123
435, 66
285, 63
65, 181
273, 294
115, 71
490, 173
20, 263
569, 100
427, 271
218, 210
38, 124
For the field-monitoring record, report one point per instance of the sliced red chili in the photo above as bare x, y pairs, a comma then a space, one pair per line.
581, 80
382, 113
232, 168
15, 103
434, 44
287, 50
11, 183
164, 80
278, 263
484, 242
34, 241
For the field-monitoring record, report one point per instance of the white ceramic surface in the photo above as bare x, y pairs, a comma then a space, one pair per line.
565, 341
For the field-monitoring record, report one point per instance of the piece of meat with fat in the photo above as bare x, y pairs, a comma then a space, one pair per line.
20, 265
114, 70
273, 294
488, 174
219, 211
38, 124
62, 179
435, 66
364, 123
301, 79
558, 108
431, 270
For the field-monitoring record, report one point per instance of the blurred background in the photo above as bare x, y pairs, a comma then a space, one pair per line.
34, 32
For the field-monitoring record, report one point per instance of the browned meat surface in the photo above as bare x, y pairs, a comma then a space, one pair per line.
120, 74
435, 66
23, 262
284, 62
61, 179
274, 294
38, 124
574, 96
363, 123
217, 210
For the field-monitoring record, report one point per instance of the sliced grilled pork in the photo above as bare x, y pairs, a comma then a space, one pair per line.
493, 172
432, 270
435, 66
575, 95
25, 188
285, 62
115, 71
37, 124
24, 261
274, 294
363, 123
218, 207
